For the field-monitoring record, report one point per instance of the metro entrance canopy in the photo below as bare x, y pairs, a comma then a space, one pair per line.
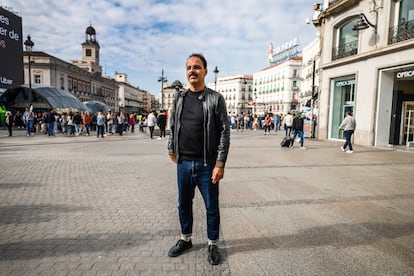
42, 98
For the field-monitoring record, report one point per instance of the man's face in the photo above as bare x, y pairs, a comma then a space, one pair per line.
195, 71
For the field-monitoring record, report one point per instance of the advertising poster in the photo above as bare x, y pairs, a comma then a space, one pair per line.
11, 49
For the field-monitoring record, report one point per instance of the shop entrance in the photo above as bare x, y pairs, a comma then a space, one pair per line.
402, 114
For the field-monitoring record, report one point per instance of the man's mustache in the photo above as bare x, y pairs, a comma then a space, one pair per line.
193, 75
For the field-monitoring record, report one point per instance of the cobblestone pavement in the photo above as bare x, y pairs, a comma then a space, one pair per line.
107, 206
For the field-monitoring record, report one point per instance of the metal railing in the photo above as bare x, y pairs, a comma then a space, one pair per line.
345, 50
403, 31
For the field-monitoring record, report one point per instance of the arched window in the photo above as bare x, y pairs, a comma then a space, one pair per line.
346, 40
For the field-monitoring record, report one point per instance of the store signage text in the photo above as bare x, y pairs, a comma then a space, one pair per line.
405, 74
345, 83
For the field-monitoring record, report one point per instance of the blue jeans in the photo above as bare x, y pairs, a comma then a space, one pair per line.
192, 174
51, 129
300, 133
348, 134
29, 126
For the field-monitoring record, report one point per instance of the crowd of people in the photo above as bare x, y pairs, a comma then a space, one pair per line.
78, 123
293, 124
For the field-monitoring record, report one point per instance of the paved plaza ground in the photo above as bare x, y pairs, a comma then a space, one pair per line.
108, 206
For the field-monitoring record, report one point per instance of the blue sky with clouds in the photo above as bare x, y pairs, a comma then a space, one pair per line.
142, 37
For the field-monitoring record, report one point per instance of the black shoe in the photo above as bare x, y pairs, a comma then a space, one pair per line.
179, 248
213, 255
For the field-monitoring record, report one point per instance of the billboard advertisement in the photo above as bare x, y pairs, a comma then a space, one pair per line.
11, 49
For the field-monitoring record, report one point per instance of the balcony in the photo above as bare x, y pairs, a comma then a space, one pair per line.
346, 50
402, 32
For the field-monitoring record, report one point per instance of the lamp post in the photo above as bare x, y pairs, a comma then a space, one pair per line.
216, 71
313, 95
162, 79
29, 46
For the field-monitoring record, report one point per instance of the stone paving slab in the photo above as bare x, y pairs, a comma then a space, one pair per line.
107, 206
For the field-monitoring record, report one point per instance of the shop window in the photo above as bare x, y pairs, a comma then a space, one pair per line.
346, 43
343, 100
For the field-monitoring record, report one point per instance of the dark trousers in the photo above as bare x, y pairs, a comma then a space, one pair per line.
348, 135
10, 128
162, 131
151, 129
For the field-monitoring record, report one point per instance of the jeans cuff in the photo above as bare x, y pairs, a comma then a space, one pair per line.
212, 242
186, 237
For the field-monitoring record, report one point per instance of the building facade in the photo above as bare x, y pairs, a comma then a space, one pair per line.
237, 91
309, 91
51, 71
367, 67
276, 88
131, 99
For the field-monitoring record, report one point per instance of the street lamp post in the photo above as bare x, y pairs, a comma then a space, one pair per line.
29, 46
216, 71
162, 79
312, 98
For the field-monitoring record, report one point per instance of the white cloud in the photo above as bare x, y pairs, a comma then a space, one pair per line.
142, 37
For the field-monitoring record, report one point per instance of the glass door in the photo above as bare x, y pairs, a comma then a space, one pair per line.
407, 122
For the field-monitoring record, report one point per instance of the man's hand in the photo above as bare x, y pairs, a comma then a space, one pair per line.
218, 173
173, 158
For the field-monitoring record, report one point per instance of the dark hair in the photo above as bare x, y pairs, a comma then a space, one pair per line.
200, 56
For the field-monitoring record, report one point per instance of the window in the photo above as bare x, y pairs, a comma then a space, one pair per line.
62, 82
404, 21
37, 78
70, 82
88, 52
347, 41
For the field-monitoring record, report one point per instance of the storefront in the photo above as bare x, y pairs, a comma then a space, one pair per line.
396, 106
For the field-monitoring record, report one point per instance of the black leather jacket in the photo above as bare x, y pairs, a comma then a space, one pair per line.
216, 127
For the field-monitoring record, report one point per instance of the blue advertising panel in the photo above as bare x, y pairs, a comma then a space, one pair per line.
11, 49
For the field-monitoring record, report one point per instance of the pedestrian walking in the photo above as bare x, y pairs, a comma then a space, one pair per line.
28, 118
288, 122
152, 122
162, 123
348, 125
198, 143
18, 119
297, 126
9, 122
131, 123
267, 124
87, 120
100, 123
50, 121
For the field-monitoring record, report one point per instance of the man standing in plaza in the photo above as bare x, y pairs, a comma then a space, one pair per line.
198, 143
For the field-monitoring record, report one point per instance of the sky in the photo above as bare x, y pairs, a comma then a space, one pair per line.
143, 37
